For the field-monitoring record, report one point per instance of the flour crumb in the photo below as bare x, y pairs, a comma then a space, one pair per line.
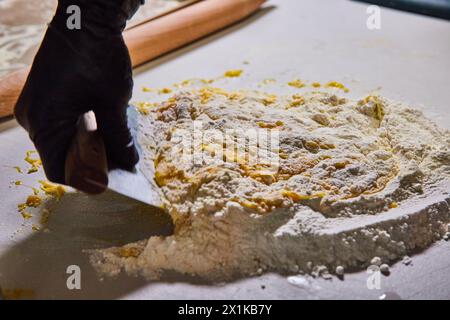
384, 269
376, 261
407, 261
340, 271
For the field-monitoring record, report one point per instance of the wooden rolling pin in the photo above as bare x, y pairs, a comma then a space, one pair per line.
155, 38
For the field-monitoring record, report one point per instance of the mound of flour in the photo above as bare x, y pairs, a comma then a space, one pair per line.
338, 183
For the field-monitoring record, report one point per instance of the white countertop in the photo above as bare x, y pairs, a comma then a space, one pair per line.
315, 40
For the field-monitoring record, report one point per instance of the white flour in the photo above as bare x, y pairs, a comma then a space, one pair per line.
355, 180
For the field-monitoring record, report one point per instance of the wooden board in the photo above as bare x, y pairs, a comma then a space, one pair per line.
23, 24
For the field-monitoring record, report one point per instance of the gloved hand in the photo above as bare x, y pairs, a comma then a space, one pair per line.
76, 71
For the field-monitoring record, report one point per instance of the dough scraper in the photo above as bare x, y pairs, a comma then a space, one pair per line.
86, 167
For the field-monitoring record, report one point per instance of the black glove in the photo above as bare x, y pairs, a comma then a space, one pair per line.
76, 71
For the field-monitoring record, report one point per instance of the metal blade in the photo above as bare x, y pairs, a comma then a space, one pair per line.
134, 185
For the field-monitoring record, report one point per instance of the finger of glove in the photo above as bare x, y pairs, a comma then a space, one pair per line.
52, 144
120, 148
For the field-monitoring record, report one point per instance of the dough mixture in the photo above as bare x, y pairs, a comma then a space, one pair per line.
309, 182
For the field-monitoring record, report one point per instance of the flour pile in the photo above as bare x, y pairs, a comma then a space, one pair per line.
338, 183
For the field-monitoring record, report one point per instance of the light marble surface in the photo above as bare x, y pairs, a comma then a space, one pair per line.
314, 40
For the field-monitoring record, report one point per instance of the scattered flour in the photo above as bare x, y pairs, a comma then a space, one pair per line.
355, 180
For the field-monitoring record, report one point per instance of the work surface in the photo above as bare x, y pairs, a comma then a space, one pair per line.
407, 59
